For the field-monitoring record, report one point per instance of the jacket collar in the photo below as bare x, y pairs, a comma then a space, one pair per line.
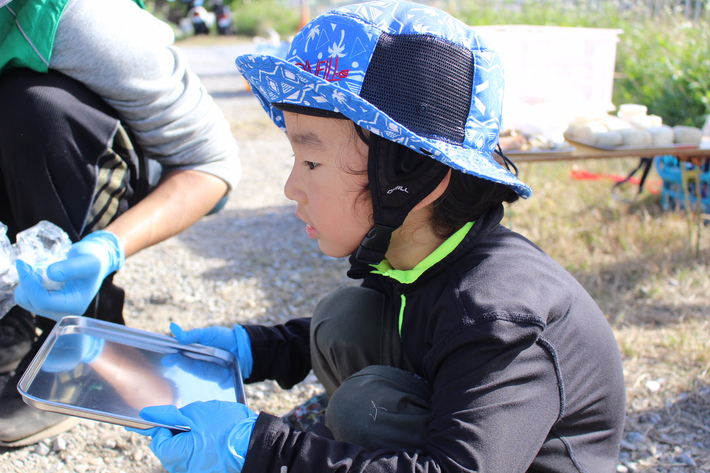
445, 252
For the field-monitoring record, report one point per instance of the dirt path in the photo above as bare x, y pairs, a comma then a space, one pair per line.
251, 262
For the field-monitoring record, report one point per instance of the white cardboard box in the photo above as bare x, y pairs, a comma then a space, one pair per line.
567, 70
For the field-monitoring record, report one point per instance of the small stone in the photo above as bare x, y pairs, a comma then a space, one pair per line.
42, 449
626, 445
110, 439
59, 444
109, 443
81, 468
653, 385
685, 459
159, 299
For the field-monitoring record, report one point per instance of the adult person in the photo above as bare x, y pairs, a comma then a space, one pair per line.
106, 132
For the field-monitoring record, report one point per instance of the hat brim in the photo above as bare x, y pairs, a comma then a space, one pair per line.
275, 80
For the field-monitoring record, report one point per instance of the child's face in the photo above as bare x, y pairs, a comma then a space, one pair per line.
326, 184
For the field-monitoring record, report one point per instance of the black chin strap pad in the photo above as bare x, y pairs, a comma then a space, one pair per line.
400, 178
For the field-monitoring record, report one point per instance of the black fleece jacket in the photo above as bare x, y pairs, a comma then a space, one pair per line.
525, 370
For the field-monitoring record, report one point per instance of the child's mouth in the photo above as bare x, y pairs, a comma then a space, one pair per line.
310, 231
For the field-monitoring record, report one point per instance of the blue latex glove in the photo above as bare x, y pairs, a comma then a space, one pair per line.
88, 262
217, 442
235, 340
221, 375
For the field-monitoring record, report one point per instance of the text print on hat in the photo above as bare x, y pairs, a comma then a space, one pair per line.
407, 72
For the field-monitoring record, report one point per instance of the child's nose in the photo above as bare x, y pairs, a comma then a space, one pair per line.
291, 189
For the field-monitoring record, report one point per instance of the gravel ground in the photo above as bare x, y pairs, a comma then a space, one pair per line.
251, 262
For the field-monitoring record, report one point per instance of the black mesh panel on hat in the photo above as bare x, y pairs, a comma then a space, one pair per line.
423, 82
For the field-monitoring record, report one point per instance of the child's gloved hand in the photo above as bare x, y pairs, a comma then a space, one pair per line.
235, 340
217, 442
217, 373
88, 263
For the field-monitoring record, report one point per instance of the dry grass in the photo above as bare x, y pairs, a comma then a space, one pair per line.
653, 284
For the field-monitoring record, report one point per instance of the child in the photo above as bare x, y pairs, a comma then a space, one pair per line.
466, 348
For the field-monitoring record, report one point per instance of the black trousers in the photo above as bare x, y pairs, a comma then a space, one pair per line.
374, 399
65, 158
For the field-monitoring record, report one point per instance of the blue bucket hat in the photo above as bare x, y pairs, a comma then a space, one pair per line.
407, 72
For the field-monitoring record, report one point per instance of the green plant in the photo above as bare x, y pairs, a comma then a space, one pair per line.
666, 66
663, 60
257, 18
537, 12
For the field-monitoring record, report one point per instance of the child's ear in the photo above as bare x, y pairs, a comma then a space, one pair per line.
436, 193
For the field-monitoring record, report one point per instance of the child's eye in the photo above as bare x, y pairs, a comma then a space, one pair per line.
310, 164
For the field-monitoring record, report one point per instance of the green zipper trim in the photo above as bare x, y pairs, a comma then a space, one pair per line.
401, 314
411, 275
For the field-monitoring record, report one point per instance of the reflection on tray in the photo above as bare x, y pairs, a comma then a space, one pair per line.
109, 372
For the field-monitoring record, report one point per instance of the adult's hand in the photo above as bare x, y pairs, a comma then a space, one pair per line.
88, 263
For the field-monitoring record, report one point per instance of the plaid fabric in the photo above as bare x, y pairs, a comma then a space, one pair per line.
116, 189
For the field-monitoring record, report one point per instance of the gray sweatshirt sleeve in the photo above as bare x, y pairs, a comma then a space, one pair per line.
126, 56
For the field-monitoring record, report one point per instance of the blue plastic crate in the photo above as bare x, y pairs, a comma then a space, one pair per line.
673, 195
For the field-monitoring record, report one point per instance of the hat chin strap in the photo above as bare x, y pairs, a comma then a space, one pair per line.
400, 178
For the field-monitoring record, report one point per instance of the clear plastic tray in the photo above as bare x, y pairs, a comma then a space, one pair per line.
108, 372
